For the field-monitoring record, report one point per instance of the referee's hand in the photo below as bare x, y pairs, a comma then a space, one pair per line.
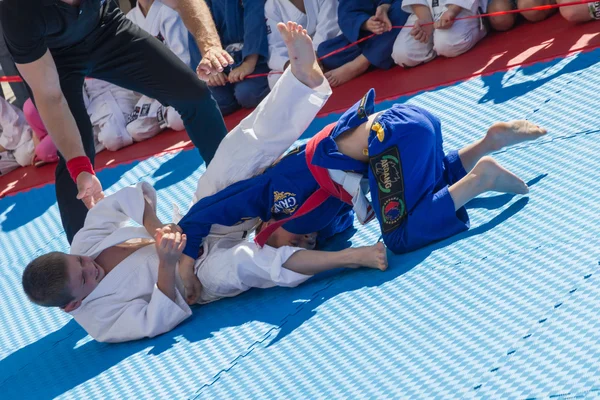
90, 189
214, 60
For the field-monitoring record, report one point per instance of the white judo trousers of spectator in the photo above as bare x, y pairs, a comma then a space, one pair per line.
451, 42
16, 138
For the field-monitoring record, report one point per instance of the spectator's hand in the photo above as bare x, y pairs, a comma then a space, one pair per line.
421, 33
374, 25
381, 15
219, 79
89, 189
169, 246
191, 283
238, 74
214, 60
446, 19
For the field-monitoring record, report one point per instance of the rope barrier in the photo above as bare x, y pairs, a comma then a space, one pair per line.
15, 78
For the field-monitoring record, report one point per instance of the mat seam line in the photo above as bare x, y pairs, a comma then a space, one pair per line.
535, 330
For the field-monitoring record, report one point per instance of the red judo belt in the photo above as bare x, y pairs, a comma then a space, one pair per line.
327, 188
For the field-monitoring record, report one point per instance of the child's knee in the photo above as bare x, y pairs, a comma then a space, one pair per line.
453, 42
535, 15
114, 137
407, 52
580, 13
501, 22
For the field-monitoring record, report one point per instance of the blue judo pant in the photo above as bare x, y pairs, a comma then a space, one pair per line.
378, 49
409, 176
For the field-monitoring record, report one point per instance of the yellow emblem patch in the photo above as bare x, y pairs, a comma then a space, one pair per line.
380, 131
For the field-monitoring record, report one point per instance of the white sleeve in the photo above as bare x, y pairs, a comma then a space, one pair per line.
131, 320
263, 136
278, 53
112, 213
406, 5
327, 22
176, 35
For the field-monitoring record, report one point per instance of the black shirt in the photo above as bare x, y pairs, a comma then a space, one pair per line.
31, 27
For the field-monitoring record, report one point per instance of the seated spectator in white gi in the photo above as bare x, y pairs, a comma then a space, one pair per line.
320, 19
243, 33
446, 37
149, 117
17, 147
120, 285
507, 21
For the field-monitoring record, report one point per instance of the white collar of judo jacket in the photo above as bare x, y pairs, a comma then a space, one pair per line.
113, 282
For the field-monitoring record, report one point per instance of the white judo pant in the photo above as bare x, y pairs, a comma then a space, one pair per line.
16, 137
109, 106
452, 42
230, 263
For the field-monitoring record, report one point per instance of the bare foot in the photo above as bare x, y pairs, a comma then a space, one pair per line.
503, 134
371, 257
346, 72
498, 179
303, 60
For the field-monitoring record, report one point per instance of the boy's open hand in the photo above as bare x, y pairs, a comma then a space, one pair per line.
169, 245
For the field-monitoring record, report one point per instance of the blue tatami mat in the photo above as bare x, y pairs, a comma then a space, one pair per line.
508, 309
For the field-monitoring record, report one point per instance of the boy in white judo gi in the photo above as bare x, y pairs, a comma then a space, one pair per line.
448, 38
119, 285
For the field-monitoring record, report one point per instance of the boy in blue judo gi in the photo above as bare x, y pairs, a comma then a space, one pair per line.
418, 192
243, 33
358, 19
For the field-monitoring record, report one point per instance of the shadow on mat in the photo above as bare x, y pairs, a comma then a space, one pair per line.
52, 365
177, 169
500, 89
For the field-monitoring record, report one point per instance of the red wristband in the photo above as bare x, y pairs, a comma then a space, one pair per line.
78, 165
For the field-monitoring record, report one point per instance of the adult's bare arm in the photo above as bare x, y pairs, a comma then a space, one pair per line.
42, 77
198, 20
